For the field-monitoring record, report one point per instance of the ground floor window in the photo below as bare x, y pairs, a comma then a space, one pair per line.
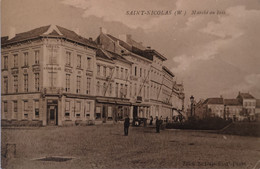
98, 113
109, 113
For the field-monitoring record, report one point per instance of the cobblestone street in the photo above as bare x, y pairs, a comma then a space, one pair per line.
105, 146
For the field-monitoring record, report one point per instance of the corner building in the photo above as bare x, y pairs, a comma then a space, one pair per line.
44, 80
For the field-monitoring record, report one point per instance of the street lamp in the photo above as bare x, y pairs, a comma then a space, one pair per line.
192, 104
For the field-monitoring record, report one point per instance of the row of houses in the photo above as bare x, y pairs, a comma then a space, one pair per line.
53, 76
243, 107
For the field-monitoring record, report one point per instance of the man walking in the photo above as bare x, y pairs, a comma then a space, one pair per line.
126, 125
157, 125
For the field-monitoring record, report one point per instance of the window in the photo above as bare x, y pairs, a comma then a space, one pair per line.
135, 89
89, 63
98, 113
110, 89
36, 108
88, 85
126, 74
88, 110
98, 87
144, 72
144, 91
53, 56
104, 88
36, 57
5, 84
140, 72
104, 71
78, 61
116, 90
14, 114
67, 106
78, 84
68, 58
53, 78
25, 109
125, 92
67, 88
37, 81
98, 70
122, 73
25, 78
121, 90
130, 93
78, 106
5, 106
147, 92
15, 83
117, 72
5, 62
16, 60
15, 106
135, 71
25, 58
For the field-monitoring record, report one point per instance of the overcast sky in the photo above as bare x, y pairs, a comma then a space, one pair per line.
212, 54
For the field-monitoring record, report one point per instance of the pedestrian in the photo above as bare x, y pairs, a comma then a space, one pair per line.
151, 120
157, 125
126, 125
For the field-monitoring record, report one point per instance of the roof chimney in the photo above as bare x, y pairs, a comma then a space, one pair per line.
148, 47
90, 38
103, 30
11, 33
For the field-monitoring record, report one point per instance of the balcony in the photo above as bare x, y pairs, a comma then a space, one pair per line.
36, 68
15, 70
89, 72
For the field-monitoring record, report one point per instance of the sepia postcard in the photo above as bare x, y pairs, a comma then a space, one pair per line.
130, 84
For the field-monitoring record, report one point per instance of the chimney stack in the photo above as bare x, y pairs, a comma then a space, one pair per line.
90, 38
11, 33
102, 30
148, 47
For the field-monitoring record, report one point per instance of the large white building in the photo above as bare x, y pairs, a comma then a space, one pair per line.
53, 76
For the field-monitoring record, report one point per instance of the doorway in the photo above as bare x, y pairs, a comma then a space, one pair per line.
52, 113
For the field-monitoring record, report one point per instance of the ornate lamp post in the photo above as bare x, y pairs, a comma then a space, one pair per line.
192, 110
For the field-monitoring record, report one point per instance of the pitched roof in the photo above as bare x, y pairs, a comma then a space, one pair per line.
232, 102
49, 31
100, 53
132, 48
245, 96
168, 71
214, 101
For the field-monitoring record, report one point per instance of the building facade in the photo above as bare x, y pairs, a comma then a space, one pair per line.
53, 76
40, 68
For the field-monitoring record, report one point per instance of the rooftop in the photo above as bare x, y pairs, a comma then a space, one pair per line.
214, 101
245, 96
48, 31
232, 102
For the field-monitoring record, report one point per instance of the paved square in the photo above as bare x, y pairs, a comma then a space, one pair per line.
105, 146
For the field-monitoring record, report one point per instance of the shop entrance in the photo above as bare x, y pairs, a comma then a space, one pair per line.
52, 112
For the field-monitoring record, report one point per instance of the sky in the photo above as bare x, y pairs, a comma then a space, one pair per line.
212, 54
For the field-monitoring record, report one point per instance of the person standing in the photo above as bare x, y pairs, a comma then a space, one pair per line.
126, 125
151, 120
157, 125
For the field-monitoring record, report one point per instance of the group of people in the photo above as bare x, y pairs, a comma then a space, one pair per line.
158, 123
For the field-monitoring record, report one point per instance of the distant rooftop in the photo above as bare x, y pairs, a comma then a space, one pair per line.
245, 96
232, 102
214, 101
